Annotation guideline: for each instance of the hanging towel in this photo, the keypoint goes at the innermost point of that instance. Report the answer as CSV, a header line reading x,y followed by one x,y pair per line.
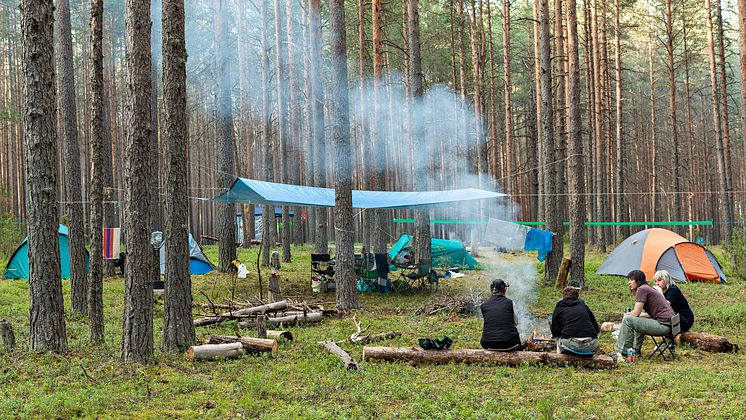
x,y
539,240
111,243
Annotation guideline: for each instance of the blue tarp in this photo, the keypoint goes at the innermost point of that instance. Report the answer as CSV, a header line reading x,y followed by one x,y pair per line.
x,y
252,191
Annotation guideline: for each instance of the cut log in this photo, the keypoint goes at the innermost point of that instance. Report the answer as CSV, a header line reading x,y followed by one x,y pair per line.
x,y
374,337
564,270
275,293
215,351
333,348
6,332
250,344
515,358
280,335
285,320
242,313
708,342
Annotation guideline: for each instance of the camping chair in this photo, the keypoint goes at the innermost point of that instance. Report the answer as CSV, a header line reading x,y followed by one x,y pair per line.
x,y
322,266
418,275
667,343
365,269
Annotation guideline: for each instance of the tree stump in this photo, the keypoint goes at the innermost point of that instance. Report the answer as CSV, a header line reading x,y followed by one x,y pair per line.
x,y
261,330
275,294
564,271
6,332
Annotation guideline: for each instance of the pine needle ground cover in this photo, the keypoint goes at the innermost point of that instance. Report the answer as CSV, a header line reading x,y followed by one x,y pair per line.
x,y
303,380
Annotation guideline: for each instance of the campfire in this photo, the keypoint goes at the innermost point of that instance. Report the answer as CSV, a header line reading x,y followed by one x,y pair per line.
x,y
540,343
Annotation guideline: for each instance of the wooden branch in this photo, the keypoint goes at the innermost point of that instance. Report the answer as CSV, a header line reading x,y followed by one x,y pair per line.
x,y
215,351
8,337
357,334
333,348
250,344
286,320
515,358
241,313
278,335
375,337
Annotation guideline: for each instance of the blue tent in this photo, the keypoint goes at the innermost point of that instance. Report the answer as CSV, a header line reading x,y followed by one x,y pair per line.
x,y
445,253
198,261
252,191
17,267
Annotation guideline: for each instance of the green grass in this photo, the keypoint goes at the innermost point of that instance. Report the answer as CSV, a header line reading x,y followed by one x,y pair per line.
x,y
305,381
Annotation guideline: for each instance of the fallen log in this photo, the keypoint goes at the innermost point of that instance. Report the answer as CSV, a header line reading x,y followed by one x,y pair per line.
x,y
6,332
250,344
241,313
215,351
482,356
708,342
333,348
286,320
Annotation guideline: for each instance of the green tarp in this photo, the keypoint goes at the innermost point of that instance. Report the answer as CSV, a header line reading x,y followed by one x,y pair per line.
x,y
446,253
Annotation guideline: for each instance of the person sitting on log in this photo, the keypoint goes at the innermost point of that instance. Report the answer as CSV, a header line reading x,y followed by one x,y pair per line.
x,y
673,295
655,321
573,325
500,332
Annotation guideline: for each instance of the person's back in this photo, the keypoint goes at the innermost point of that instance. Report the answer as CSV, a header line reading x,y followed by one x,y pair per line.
x,y
500,332
680,305
574,325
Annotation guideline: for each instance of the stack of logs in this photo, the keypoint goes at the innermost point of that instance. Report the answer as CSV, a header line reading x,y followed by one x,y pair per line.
x,y
282,313
229,347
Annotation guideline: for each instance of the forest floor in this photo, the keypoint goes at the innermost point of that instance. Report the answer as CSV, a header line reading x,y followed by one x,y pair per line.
x,y
303,380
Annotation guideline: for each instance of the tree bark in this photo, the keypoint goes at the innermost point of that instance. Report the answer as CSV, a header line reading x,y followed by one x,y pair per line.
x,y
742,67
8,338
250,344
378,130
269,225
619,205
69,125
676,207
227,218
95,280
178,329
281,75
576,155
321,243
469,356
137,340
708,342
47,316
726,126
339,110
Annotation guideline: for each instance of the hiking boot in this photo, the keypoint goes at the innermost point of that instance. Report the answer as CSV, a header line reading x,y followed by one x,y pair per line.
x,y
616,357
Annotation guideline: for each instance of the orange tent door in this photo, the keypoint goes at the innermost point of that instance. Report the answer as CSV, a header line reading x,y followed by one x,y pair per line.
x,y
695,263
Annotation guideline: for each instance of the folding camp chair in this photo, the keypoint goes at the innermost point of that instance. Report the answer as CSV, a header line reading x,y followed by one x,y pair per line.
x,y
667,343
419,275
322,267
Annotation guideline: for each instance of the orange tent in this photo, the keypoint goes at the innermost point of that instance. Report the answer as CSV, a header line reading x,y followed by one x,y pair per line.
x,y
656,249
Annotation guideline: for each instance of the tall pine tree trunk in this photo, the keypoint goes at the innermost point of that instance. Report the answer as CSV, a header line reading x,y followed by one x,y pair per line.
x,y
676,210
95,280
346,293
47,316
321,243
137,341
268,212
281,74
69,124
178,328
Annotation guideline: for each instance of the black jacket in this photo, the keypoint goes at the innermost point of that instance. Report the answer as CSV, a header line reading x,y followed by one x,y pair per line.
x,y
573,319
499,320
680,305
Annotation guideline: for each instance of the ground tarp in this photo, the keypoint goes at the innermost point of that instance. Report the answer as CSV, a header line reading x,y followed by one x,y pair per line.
x,y
445,253
252,191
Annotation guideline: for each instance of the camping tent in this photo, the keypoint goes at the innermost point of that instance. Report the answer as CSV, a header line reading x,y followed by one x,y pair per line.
x,y
198,262
656,249
17,267
445,253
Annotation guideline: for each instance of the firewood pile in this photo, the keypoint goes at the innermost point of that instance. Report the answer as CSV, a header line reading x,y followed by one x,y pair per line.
x,y
284,312
466,304
535,343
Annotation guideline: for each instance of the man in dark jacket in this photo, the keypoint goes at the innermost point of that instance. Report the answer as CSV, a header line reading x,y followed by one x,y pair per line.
x,y
500,332
573,325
